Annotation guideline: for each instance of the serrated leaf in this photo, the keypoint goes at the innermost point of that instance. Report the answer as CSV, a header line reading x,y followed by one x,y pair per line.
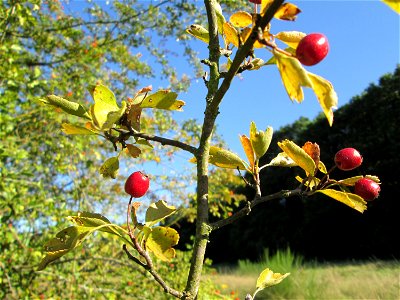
x,y
298,155
287,11
133,150
67,106
161,240
75,129
326,95
105,111
282,160
163,99
231,34
293,75
248,149
199,32
241,19
290,38
110,167
268,278
157,212
352,200
393,4
224,159
260,140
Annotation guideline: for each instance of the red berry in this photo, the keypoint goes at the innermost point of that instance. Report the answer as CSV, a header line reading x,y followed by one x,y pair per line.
x,y
312,49
137,184
348,159
367,189
256,1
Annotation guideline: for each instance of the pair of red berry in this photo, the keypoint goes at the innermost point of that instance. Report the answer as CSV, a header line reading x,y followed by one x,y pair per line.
x,y
348,159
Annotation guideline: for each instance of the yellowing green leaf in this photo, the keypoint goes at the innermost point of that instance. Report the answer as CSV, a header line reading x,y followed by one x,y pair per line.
x,y
260,140
248,149
67,106
105,111
224,159
161,240
322,167
65,241
199,32
157,212
298,155
350,181
101,223
241,19
287,12
290,38
268,278
110,167
163,99
326,95
231,34
393,4
311,182
75,129
293,75
352,200
282,160
133,150
220,17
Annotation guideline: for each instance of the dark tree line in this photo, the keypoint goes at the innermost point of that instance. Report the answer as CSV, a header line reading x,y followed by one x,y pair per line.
x,y
319,227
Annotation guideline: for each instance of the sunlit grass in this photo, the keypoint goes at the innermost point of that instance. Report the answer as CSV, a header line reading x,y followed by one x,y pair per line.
x,y
351,280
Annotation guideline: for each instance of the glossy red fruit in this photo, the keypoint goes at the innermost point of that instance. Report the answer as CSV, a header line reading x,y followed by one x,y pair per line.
x,y
255,1
348,159
312,49
137,184
367,189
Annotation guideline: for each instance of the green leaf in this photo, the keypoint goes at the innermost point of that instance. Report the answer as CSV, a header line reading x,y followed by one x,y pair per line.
x,y
157,212
163,99
293,75
199,32
298,155
326,95
161,240
260,140
352,200
110,167
67,106
268,278
105,111
76,129
220,17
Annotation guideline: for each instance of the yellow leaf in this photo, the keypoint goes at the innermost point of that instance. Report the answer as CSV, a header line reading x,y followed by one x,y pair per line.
x,y
322,168
199,32
293,75
224,159
163,99
299,156
241,19
326,95
74,129
161,240
287,12
264,5
268,278
248,149
352,200
157,212
290,38
231,34
393,4
260,140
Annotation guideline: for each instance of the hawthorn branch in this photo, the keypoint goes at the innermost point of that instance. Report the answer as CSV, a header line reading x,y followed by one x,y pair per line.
x,y
256,201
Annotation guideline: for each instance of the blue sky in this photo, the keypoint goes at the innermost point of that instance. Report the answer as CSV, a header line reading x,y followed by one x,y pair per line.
x,y
364,44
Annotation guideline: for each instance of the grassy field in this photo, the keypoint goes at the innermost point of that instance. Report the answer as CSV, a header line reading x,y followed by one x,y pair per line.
x,y
352,280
